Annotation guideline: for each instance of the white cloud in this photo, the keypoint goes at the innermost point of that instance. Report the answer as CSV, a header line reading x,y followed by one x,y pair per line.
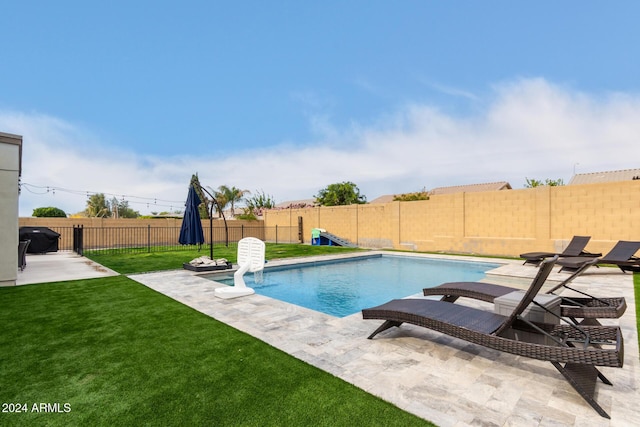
x,y
446,89
530,128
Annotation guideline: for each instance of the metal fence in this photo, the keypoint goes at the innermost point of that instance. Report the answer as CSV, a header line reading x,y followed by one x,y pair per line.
x,y
162,239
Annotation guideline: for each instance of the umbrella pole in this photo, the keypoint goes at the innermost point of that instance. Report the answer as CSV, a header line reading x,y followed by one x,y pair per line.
x,y
211,231
226,227
213,201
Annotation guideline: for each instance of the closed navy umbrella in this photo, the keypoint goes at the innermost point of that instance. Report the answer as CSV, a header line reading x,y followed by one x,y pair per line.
x,y
191,230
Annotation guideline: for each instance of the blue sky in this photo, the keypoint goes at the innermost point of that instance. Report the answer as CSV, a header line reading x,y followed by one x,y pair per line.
x,y
131,98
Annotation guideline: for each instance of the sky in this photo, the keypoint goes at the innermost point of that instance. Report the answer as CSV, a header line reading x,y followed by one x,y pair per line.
x,y
130,98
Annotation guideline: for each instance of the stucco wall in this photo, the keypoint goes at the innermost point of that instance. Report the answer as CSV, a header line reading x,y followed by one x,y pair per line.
x,y
10,146
489,223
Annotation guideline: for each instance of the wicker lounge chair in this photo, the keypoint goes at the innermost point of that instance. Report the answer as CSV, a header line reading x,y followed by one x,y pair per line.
x,y
575,248
587,307
622,255
576,353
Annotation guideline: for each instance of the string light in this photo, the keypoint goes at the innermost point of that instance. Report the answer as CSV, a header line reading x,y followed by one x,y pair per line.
x,y
43,190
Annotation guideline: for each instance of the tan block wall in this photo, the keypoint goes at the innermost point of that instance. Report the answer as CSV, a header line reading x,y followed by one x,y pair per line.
x,y
490,223
610,212
99,222
377,225
494,214
428,224
134,232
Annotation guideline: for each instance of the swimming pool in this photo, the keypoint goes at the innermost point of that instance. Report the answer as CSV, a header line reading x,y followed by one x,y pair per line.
x,y
346,286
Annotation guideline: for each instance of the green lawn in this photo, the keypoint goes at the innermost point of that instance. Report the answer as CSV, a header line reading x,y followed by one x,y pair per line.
x,y
119,353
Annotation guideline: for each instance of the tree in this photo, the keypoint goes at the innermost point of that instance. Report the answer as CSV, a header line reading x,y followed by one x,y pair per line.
x,y
410,197
232,195
219,200
124,211
256,204
97,206
203,208
222,200
531,183
342,193
49,212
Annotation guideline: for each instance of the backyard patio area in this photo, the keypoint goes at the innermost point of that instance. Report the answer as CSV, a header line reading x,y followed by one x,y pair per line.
x,y
441,379
438,378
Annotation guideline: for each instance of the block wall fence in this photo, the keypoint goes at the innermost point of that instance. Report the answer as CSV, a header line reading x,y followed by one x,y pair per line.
x,y
125,222
109,232
503,223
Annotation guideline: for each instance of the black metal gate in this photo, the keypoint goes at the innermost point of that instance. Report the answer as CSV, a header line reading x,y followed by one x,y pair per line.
x,y
78,234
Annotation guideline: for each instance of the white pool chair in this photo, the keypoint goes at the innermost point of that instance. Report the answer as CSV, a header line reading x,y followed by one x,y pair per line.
x,y
250,259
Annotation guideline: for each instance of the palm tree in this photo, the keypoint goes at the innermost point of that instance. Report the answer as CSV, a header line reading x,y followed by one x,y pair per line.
x,y
232,196
221,199
97,206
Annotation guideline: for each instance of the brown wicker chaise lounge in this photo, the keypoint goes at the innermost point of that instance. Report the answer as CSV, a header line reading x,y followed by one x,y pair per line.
x,y
575,248
587,307
622,255
576,352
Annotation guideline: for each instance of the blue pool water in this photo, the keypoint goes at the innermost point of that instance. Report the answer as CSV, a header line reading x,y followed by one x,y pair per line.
x,y
344,287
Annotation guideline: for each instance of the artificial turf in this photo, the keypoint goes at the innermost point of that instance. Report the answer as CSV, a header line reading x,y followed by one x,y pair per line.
x,y
112,352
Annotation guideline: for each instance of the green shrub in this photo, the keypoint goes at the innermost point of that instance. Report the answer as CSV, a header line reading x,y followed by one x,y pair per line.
x,y
49,212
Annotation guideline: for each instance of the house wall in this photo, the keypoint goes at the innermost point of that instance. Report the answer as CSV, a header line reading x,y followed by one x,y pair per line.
x,y
505,223
10,148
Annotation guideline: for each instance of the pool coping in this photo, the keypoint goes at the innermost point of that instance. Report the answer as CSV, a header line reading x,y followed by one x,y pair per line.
x,y
447,381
